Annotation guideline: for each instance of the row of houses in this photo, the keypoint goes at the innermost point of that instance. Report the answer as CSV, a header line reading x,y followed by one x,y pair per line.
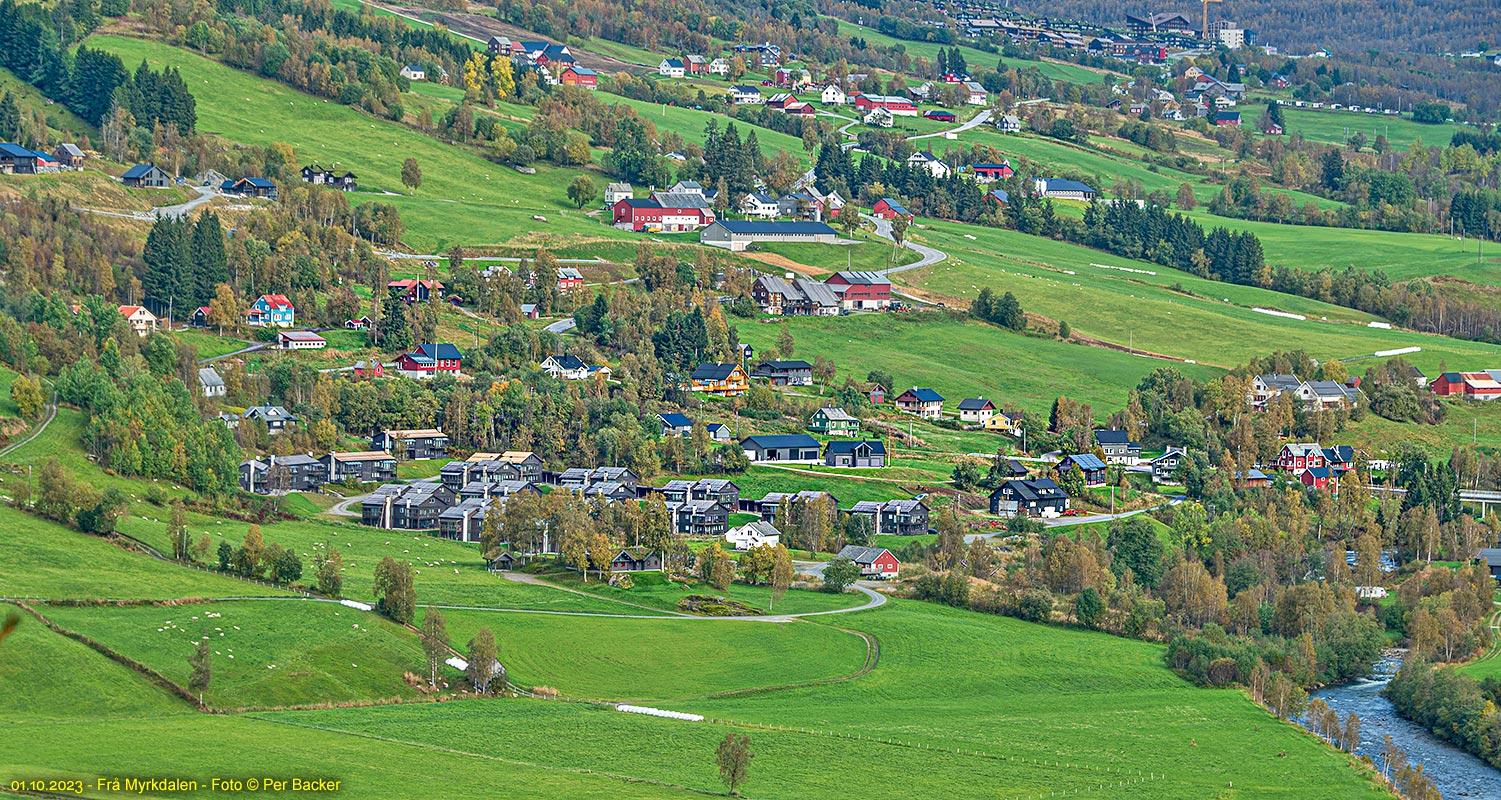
x,y
18,160
1312,395
842,291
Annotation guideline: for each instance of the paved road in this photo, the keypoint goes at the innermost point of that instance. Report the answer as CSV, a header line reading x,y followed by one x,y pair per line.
x,y
242,351
1060,522
929,255
561,326
205,194
343,507
46,420
974,122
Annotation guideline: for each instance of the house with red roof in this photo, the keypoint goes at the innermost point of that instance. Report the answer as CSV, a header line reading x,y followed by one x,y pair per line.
x,y
271,311
415,291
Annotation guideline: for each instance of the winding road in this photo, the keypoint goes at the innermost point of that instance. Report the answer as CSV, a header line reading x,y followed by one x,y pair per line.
x,y
929,254
46,420
974,122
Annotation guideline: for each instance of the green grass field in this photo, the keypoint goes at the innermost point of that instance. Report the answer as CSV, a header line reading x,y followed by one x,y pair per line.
x,y
1144,312
1336,127
44,559
463,197
962,359
1058,71
600,658
1402,256
265,653
1032,710
872,254
655,591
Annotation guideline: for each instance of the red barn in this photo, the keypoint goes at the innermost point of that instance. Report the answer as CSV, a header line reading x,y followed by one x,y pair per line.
x,y
1475,385
642,214
941,116
1319,478
576,75
896,105
993,172
862,289
887,208
874,562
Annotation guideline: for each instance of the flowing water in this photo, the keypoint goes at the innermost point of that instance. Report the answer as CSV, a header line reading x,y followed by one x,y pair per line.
x,y
1455,773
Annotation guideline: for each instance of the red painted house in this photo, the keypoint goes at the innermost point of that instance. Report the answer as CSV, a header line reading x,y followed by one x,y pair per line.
x,y
1474,385
993,172
862,289
431,359
1300,456
887,208
576,75
1319,478
874,562
640,214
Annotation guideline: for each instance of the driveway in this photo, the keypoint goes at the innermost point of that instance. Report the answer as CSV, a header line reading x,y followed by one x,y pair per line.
x,y
974,122
929,255
561,326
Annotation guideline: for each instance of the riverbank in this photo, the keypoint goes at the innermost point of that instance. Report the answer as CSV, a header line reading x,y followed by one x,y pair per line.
x,y
1454,772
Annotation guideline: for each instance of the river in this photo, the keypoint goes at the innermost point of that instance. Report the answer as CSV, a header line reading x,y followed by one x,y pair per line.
x,y
1454,772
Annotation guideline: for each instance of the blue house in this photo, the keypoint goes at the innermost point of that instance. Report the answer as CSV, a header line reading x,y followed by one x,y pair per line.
x,y
271,311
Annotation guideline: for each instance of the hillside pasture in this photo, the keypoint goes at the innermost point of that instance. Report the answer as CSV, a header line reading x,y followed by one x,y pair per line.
x,y
266,653
464,198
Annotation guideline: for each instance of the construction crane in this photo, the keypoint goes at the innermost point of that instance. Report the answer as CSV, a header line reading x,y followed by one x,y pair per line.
x,y
1206,16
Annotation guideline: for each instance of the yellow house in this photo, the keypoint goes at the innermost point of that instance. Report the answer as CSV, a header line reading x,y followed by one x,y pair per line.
x,y
727,380
1009,422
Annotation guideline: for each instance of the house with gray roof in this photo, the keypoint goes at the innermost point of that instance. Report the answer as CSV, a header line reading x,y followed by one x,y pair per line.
x,y
210,382
787,448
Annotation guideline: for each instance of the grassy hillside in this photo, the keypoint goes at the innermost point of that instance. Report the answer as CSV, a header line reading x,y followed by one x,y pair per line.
x,y
265,653
962,359
1069,73
44,559
600,658
1033,710
75,683
1336,127
463,198
1148,313
1402,256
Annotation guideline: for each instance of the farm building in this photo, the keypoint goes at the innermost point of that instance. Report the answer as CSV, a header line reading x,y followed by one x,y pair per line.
x,y
736,235
300,340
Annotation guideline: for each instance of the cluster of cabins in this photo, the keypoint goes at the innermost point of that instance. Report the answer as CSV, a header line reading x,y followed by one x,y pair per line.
x,y
306,473
18,160
553,63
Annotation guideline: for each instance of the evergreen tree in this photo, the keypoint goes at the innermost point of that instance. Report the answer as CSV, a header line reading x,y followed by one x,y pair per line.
x,y
168,263
395,333
10,119
210,264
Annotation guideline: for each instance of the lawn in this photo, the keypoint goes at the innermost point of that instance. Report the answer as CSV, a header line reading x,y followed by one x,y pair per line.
x,y
689,123
962,358
265,653
210,344
872,254
604,659
463,198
